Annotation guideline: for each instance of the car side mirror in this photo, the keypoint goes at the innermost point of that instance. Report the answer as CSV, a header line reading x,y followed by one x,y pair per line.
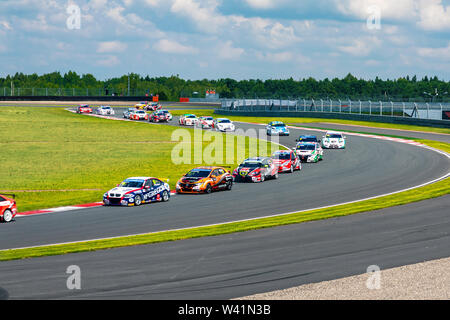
x,y
147,187
320,140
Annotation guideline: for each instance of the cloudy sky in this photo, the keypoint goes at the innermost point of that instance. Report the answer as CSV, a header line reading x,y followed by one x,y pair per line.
x,y
240,39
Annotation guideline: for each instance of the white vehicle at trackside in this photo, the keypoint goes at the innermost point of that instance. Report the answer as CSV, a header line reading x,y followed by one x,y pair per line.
x,y
188,120
223,125
105,111
309,152
205,122
333,140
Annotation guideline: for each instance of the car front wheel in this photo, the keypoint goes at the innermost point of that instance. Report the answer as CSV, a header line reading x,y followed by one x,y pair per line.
x,y
7,216
165,196
137,200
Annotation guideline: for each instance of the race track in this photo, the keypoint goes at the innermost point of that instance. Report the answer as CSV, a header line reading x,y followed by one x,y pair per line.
x,y
251,262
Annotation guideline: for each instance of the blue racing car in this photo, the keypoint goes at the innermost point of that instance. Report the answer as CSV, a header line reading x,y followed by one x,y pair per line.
x,y
136,191
277,128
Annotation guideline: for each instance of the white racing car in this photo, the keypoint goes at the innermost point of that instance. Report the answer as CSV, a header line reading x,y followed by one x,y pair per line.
x,y
205,122
333,140
105,110
223,125
188,120
309,151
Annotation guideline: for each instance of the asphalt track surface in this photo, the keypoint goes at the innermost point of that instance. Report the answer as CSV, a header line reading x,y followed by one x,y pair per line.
x,y
404,133
251,262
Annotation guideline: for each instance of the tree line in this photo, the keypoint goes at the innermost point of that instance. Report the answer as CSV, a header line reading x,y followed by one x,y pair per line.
x,y
173,87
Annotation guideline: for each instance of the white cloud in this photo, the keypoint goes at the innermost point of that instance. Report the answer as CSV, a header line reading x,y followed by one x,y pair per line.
x,y
434,16
390,9
109,61
227,51
435,53
205,17
111,46
360,47
168,46
261,4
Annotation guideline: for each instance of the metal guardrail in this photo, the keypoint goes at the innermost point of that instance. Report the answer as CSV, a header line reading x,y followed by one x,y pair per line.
x,y
421,110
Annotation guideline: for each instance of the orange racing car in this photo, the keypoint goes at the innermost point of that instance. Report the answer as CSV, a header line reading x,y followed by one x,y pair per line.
x,y
205,180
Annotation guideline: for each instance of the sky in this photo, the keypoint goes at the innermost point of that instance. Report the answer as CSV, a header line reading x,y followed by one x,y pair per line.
x,y
240,39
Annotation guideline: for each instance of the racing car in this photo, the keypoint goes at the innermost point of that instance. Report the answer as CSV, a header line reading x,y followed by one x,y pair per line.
x,y
205,180
188,120
309,151
84,108
160,116
153,106
141,105
223,125
277,128
136,191
307,138
205,122
138,115
8,208
256,169
333,140
286,160
105,110
126,113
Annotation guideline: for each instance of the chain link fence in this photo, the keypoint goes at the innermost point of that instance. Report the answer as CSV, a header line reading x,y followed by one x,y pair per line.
x,y
422,110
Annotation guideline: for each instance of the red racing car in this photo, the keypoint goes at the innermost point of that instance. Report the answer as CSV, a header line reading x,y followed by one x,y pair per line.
x,y
287,161
160,116
256,170
84,108
8,208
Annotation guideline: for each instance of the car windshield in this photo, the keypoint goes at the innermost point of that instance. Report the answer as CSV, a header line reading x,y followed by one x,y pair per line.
x,y
132,184
208,118
130,109
334,136
306,147
106,108
282,156
140,112
251,164
224,121
165,111
191,116
198,173
278,125
307,139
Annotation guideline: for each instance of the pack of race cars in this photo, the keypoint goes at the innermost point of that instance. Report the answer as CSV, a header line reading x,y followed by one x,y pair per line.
x,y
135,191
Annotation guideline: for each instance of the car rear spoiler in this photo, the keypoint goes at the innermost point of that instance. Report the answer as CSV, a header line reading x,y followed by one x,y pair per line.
x,y
9,195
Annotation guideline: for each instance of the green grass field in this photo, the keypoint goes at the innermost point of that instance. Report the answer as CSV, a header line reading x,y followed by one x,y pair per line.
x,y
53,149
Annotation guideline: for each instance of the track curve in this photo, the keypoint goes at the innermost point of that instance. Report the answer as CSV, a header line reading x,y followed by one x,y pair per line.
x,y
368,167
